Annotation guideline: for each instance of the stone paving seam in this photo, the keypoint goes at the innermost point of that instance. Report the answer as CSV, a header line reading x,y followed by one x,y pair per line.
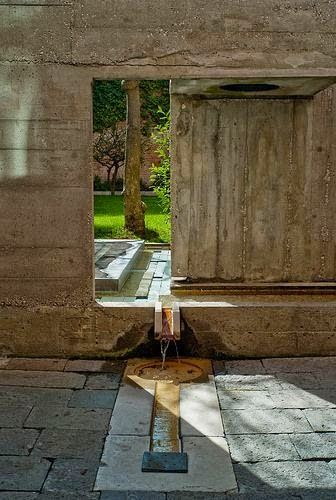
x,y
25,420
51,461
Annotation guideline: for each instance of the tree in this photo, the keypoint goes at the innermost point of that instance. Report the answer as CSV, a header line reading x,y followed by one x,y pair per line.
x,y
109,151
134,208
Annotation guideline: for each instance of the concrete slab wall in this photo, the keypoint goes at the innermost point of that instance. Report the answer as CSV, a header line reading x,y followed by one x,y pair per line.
x,y
264,34
74,331
50,52
46,186
253,327
254,189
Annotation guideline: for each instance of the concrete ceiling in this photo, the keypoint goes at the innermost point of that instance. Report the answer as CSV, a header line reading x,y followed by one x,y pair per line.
x,y
252,87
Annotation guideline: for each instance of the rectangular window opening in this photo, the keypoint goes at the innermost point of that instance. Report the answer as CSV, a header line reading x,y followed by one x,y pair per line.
x,y
129,266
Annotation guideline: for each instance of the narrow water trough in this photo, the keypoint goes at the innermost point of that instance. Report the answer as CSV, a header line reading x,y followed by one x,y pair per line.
x,y
170,411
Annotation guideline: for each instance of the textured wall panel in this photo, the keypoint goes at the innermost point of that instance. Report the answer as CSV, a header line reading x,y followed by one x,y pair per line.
x,y
261,176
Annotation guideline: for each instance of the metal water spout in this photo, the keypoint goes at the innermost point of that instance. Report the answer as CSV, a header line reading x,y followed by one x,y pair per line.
x,y
167,328
167,322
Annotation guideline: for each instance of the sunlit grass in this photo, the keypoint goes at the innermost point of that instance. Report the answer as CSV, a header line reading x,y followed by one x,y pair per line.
x,y
109,219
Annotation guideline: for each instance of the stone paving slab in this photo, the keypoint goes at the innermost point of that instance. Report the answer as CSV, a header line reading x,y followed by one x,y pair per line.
x,y
132,495
13,416
69,496
58,417
36,364
209,466
178,495
29,396
299,398
299,381
244,367
285,477
42,379
17,441
277,460
69,443
93,398
248,382
327,380
137,404
332,465
240,400
265,421
71,475
321,420
19,495
299,364
95,365
22,473
103,381
318,494
199,410
262,447
317,445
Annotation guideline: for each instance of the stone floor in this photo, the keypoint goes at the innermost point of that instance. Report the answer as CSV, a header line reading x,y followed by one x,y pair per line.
x,y
279,418
148,280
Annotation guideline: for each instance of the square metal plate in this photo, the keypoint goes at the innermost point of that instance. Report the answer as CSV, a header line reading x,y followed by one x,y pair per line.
x,y
154,461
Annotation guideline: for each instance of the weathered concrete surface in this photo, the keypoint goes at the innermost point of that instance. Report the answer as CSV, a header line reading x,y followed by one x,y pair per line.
x,y
222,88
239,327
46,72
297,35
253,189
261,326
61,331
46,184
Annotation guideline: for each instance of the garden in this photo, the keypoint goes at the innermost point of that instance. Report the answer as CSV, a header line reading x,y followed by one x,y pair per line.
x,y
109,220
132,160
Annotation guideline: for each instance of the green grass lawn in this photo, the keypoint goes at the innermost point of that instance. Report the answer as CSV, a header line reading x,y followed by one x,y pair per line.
x,y
109,219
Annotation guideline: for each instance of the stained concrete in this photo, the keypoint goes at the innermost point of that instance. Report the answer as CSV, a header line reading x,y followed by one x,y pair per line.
x,y
46,278
216,88
253,192
64,331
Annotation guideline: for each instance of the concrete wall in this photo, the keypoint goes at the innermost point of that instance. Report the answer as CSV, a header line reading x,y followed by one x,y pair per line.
x,y
50,50
46,185
254,189
256,327
90,332
263,34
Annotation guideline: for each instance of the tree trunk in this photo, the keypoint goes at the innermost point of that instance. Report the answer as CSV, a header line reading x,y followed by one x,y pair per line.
x,y
109,179
134,209
114,179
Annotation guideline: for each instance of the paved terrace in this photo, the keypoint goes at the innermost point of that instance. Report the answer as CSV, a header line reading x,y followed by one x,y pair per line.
x,y
279,418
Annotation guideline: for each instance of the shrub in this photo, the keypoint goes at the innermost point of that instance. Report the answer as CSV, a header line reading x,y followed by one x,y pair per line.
x,y
100,185
160,173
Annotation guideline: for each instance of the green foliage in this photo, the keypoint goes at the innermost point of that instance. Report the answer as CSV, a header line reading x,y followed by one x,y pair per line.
x,y
109,103
109,219
154,96
160,174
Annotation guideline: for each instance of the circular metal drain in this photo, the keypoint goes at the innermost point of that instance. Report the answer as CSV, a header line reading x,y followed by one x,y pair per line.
x,y
250,87
174,372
